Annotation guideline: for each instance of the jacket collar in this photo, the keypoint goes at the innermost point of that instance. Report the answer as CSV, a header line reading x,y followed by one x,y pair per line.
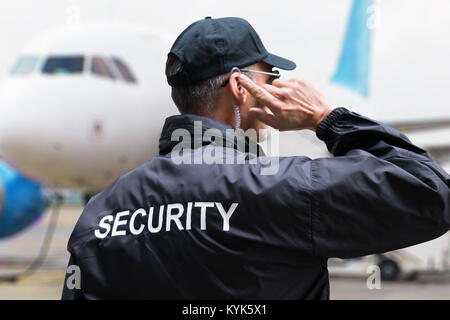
x,y
186,121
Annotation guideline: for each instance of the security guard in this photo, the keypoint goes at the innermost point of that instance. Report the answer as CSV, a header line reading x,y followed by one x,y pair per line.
x,y
203,220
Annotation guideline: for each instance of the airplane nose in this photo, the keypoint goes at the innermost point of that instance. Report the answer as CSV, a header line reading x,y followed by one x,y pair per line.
x,y
21,140
42,130
20,147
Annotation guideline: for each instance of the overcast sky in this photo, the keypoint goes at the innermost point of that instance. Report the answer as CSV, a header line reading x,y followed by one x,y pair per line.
x,y
411,46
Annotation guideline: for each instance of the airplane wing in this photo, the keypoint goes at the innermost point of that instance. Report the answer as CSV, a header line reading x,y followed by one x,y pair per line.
x,y
420,125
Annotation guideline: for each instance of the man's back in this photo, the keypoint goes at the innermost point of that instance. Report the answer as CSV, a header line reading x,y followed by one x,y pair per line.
x,y
174,230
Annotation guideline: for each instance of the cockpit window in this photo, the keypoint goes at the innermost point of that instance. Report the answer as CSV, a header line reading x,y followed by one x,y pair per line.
x,y
99,67
63,65
125,72
24,65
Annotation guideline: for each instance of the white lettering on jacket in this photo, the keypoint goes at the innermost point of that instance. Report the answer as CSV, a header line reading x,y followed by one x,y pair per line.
x,y
128,222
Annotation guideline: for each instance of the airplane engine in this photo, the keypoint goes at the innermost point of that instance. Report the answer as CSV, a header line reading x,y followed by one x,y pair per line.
x,y
22,201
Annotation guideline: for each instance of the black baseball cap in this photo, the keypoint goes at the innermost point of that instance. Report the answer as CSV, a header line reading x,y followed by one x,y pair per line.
x,y
211,47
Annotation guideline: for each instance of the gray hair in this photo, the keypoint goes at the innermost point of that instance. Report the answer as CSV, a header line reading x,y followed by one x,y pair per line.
x,y
199,97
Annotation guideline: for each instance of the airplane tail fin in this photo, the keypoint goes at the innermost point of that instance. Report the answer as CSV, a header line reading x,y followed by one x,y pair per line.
x,y
353,70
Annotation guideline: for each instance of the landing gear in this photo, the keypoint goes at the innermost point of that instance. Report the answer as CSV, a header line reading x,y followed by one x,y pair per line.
x,y
56,201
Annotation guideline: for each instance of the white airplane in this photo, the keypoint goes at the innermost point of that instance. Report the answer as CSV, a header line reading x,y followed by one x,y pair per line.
x,y
81,106
84,104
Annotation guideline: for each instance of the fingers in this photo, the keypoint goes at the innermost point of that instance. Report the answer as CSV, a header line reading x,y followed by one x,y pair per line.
x,y
259,93
282,83
276,92
266,117
288,82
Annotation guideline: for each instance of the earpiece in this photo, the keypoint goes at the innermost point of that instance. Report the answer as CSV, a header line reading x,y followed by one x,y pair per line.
x,y
237,117
241,90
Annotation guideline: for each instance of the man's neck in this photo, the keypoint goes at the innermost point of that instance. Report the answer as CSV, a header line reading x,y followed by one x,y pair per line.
x,y
220,114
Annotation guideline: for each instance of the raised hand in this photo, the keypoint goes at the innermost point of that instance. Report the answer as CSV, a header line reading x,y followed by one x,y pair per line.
x,y
289,104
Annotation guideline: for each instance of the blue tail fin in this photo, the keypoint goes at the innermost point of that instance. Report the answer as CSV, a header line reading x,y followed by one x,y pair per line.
x,y
353,70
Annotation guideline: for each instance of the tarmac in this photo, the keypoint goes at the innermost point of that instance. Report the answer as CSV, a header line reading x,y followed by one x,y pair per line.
x,y
46,284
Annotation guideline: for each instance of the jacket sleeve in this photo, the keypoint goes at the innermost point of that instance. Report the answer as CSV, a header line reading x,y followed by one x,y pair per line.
x,y
378,193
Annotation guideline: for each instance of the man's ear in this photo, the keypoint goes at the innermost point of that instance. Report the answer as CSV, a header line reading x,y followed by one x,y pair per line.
x,y
237,90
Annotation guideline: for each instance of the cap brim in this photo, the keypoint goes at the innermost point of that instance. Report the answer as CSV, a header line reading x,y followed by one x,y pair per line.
x,y
279,62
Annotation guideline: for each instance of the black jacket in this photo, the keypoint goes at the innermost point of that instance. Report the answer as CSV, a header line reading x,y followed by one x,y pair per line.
x,y
228,231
